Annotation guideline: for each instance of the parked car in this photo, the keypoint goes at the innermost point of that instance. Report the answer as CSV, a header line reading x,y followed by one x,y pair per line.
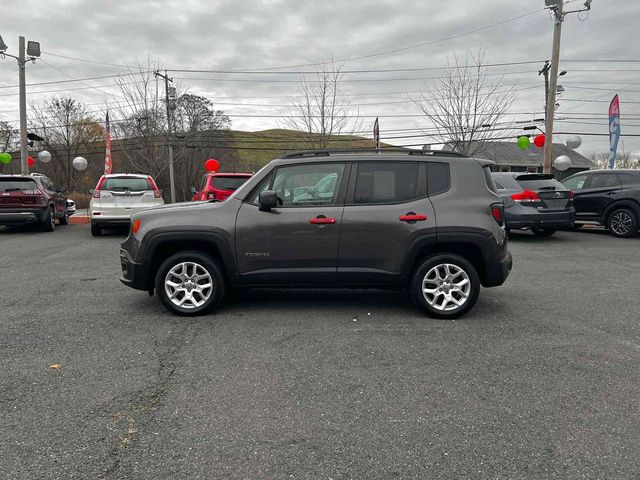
x,y
71,207
534,201
118,196
427,221
218,186
607,197
32,199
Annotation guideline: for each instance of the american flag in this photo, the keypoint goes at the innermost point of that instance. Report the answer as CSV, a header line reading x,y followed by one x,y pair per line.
x,y
107,143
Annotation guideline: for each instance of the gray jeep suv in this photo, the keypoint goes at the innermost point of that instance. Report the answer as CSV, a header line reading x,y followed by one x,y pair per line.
x,y
430,222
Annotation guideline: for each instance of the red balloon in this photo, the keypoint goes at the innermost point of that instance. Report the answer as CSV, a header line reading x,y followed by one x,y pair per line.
x,y
211,165
538,141
30,161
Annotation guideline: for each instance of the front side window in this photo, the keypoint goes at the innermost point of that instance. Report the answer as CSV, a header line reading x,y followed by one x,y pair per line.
x,y
308,185
382,182
575,183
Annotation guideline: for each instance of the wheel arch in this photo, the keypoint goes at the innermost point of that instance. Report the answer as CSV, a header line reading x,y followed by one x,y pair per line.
x,y
623,203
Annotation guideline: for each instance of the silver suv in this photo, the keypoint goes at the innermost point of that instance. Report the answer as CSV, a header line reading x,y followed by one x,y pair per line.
x,y
118,196
430,222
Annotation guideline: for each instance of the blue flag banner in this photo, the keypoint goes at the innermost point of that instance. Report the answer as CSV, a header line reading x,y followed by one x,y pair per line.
x,y
614,130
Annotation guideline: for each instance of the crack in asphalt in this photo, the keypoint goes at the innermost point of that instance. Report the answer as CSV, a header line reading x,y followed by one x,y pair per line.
x,y
143,403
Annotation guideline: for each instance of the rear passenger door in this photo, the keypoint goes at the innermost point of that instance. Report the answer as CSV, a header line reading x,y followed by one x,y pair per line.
x,y
387,209
599,191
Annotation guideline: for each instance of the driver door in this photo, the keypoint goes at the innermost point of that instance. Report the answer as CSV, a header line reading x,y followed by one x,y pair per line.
x,y
297,242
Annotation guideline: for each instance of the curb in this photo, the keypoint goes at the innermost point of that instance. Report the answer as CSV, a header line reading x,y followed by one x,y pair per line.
x,y
82,220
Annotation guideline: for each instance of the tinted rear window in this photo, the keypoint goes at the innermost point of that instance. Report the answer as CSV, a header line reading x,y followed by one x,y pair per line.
x,y
538,184
124,183
380,182
437,177
15,184
228,183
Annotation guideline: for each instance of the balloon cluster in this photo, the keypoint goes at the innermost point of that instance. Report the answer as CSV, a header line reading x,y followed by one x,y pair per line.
x,y
524,142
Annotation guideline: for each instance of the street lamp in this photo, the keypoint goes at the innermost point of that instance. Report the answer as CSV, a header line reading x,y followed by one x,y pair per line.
x,y
33,52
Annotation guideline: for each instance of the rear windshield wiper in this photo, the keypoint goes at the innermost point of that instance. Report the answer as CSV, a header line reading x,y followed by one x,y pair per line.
x,y
550,187
14,189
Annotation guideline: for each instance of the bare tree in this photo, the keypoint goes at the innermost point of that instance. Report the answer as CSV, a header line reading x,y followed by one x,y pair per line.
x,y
624,159
68,130
8,136
319,111
465,106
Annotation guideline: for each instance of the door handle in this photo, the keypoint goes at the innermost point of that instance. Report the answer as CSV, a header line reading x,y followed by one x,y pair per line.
x,y
413,217
611,193
322,220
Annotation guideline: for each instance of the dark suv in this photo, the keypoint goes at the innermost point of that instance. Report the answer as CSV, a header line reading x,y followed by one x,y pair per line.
x,y
608,197
31,199
430,222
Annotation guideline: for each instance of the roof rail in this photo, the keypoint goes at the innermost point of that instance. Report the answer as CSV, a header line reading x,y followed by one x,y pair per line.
x,y
328,153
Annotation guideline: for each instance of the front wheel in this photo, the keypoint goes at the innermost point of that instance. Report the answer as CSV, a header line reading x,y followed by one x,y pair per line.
x,y
623,223
445,286
190,283
64,220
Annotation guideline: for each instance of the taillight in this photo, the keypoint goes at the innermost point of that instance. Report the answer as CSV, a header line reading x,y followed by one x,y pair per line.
x,y
96,192
572,195
211,195
156,191
525,196
497,212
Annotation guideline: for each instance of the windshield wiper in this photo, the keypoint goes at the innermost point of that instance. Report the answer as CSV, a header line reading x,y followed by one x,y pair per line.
x,y
550,187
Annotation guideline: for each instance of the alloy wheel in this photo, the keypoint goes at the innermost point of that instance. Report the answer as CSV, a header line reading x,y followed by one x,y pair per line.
x,y
446,287
188,285
621,223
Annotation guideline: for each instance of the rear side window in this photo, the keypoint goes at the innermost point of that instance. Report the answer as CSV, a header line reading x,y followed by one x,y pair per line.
x,y
602,180
438,177
381,182
228,183
488,178
16,184
127,183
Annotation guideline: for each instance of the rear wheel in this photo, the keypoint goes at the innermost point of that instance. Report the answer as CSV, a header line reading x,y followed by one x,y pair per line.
x,y
65,218
190,283
49,224
543,232
623,223
96,230
445,286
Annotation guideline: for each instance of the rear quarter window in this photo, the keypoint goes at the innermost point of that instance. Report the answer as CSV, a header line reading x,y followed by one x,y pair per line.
x,y
438,178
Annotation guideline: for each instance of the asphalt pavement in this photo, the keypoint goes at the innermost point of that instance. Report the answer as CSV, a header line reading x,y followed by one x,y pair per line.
x,y
541,380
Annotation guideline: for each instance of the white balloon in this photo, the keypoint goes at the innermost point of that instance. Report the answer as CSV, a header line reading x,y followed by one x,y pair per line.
x,y
562,163
44,156
80,163
574,142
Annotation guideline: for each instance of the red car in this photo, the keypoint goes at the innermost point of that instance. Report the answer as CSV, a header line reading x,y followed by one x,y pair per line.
x,y
218,186
32,199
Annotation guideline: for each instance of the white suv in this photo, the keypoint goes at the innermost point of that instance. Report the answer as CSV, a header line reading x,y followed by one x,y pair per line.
x,y
117,196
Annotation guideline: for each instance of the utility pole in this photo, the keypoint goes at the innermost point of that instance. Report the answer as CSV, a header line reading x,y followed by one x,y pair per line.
x,y
33,50
172,182
545,72
557,7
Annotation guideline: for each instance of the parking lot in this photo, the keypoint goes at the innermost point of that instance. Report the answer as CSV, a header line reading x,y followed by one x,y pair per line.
x,y
540,380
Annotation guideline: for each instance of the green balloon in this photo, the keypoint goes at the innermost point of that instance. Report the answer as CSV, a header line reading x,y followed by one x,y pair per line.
x,y
5,158
524,142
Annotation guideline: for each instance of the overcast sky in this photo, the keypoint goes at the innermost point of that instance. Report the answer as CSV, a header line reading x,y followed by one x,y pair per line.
x,y
253,34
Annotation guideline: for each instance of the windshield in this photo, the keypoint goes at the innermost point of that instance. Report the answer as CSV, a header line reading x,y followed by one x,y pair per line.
x,y
228,183
127,183
16,184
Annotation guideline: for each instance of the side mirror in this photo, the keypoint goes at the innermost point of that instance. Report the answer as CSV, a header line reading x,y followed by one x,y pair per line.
x,y
91,190
268,200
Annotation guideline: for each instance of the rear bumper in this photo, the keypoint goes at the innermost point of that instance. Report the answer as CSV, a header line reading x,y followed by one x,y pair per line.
x,y
556,220
115,221
499,271
22,216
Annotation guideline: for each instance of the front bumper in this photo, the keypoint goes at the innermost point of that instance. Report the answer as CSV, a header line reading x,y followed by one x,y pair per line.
x,y
22,216
134,275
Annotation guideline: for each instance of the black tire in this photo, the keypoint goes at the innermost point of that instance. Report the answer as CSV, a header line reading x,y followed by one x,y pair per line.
x,y
426,267
205,264
623,223
64,220
96,230
49,224
543,232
